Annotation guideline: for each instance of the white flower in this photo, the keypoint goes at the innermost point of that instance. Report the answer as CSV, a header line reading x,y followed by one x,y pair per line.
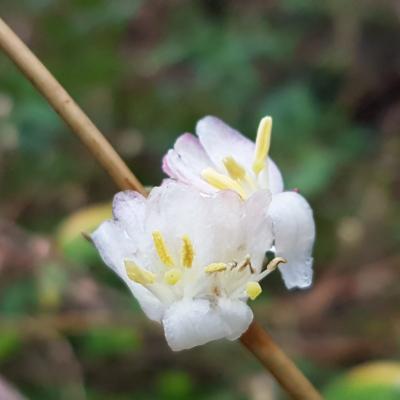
x,y
191,260
221,158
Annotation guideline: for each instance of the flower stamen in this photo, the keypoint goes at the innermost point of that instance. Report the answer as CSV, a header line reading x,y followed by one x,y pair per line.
x,y
222,182
253,289
232,265
272,266
215,267
234,169
187,253
237,172
263,141
246,263
162,249
138,274
173,276
274,263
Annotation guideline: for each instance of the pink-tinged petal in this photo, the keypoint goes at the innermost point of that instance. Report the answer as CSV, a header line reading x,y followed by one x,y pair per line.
x,y
189,323
186,161
175,168
220,140
294,232
166,167
192,152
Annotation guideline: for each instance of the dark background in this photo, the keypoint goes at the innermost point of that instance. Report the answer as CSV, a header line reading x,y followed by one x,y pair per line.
x,y
329,74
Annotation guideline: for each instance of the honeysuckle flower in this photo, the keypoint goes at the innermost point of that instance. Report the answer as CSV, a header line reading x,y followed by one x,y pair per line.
x,y
220,158
191,259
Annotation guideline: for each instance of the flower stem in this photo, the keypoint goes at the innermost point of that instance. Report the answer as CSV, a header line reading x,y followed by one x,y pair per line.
x,y
256,339
69,111
260,343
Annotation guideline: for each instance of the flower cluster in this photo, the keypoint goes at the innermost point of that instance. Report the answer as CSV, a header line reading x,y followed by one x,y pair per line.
x,y
194,251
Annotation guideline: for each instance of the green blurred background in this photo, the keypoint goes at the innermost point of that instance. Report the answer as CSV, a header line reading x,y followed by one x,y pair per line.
x,y
145,71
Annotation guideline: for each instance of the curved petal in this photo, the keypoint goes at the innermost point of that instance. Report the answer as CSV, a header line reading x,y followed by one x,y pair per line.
x,y
237,315
294,232
115,246
190,323
150,304
129,211
186,161
220,140
192,152
274,182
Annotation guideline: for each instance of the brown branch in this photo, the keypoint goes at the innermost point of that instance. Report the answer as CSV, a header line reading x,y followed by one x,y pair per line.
x,y
255,339
69,111
260,343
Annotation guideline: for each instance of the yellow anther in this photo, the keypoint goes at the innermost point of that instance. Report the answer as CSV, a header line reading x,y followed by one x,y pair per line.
x,y
234,169
162,249
220,181
187,254
215,267
173,276
253,289
263,141
139,275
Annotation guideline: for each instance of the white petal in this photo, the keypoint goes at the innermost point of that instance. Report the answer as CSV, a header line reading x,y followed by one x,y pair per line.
x,y
115,246
190,323
220,140
213,222
294,232
186,161
150,304
258,226
237,315
129,211
275,180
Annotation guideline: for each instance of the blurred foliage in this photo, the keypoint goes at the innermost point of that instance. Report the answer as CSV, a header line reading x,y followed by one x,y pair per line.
x,y
174,385
107,341
10,343
71,230
145,72
376,380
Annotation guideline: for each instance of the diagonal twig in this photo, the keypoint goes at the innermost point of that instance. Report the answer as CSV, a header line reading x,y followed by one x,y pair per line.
x,y
68,110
